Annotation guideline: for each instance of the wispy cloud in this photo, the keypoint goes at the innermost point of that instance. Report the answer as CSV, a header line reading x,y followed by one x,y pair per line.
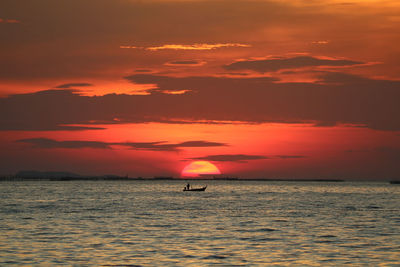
x,y
338,99
164,146
321,42
174,92
185,63
197,46
50,143
279,63
231,158
200,144
152,146
143,71
72,85
10,21
129,47
241,158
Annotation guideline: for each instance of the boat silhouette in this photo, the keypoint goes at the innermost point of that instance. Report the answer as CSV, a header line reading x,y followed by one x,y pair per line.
x,y
195,189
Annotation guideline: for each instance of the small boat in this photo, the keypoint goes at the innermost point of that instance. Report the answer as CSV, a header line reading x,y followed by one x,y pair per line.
x,y
195,189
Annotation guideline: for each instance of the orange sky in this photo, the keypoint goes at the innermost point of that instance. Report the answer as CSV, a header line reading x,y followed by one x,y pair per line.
x,y
261,88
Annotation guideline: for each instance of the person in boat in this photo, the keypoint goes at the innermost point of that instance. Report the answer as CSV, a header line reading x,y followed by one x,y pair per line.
x,y
188,186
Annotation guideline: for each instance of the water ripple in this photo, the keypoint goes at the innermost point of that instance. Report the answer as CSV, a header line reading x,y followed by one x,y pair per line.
x,y
234,223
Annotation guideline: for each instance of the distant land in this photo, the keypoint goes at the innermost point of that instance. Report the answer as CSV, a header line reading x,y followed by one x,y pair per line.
x,y
59,176
32,175
68,176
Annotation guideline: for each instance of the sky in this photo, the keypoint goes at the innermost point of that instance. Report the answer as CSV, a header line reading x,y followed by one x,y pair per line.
x,y
255,88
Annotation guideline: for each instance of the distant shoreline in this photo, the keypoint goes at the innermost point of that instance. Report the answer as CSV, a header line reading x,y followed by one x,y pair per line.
x,y
159,179
117,178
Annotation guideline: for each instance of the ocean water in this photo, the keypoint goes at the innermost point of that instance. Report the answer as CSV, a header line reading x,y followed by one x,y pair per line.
x,y
233,223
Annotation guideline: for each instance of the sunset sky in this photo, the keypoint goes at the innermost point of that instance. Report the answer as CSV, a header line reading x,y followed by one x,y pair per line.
x,y
260,88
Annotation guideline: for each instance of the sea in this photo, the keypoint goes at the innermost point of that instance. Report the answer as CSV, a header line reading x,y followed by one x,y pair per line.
x,y
232,223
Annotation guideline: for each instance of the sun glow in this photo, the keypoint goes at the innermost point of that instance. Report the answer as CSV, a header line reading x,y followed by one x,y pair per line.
x,y
199,168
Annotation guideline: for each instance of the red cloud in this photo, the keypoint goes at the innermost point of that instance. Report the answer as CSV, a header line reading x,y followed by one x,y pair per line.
x,y
10,21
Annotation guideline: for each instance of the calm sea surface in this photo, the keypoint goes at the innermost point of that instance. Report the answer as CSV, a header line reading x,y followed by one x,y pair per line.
x,y
153,223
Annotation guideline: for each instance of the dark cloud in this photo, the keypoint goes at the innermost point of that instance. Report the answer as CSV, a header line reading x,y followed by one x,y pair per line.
x,y
338,99
231,158
153,146
49,44
244,158
52,45
162,146
50,143
49,110
72,85
325,124
235,73
143,71
275,64
184,62
200,144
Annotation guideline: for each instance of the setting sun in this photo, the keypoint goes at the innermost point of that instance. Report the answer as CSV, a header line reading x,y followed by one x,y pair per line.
x,y
199,168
